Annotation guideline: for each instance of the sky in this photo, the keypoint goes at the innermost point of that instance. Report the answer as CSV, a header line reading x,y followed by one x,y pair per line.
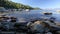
x,y
44,4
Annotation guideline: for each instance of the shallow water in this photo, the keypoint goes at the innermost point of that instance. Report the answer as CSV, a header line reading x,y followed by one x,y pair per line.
x,y
35,14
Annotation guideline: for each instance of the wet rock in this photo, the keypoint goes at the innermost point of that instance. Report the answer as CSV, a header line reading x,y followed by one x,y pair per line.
x,y
39,26
20,27
46,13
4,19
13,19
52,21
52,18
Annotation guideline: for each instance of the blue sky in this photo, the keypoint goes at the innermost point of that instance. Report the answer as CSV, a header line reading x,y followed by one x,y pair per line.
x,y
40,3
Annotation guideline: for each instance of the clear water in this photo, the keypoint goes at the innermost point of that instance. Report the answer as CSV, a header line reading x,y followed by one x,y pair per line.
x,y
35,14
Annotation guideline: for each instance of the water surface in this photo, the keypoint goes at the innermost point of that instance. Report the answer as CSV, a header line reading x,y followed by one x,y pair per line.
x,y
35,14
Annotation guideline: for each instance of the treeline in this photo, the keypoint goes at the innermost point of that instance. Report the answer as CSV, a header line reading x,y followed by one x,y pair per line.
x,y
12,5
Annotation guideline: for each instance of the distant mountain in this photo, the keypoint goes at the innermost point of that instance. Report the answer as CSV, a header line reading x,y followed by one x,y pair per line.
x,y
56,9
12,5
53,9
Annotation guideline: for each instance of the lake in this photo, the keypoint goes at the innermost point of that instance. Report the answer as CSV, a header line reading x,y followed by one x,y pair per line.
x,y
34,14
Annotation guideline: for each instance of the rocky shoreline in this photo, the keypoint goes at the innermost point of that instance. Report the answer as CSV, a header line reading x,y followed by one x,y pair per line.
x,y
33,27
